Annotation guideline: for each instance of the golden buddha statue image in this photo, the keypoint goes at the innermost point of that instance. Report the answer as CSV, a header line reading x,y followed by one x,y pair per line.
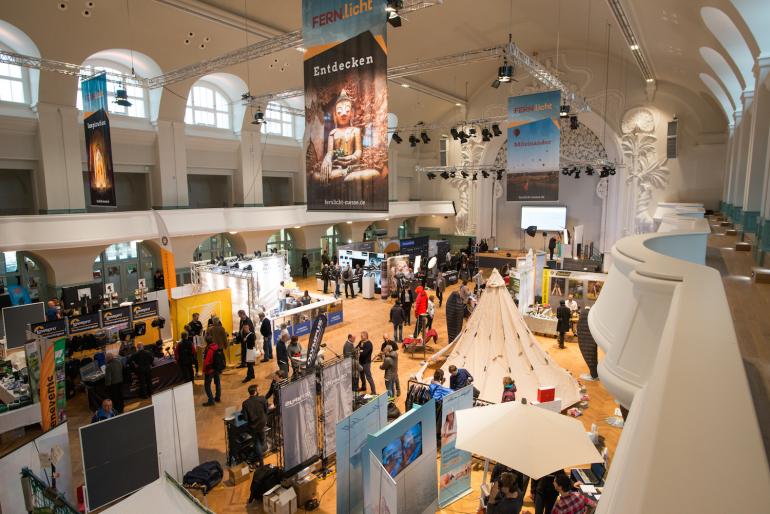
x,y
343,149
100,170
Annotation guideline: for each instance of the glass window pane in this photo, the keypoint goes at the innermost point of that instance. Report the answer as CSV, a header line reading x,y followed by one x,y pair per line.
x,y
273,127
188,116
204,117
223,120
11,266
5,90
222,103
15,71
4,71
287,130
287,117
17,90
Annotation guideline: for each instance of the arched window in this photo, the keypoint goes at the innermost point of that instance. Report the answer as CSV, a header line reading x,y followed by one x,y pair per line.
x,y
123,264
214,247
136,95
207,106
281,240
331,241
283,120
13,83
20,268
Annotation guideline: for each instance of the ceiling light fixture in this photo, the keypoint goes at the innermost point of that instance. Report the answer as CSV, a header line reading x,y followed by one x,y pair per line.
x,y
259,117
397,138
424,137
496,129
121,97
455,134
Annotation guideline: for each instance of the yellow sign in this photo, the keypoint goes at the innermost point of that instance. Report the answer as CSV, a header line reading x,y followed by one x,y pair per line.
x,y
218,303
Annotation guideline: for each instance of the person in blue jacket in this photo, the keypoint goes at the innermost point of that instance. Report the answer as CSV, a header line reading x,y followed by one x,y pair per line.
x,y
437,389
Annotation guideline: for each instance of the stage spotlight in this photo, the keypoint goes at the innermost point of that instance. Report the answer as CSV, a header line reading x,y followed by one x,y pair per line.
x,y
577,174
444,175
455,134
499,174
397,138
472,131
463,137
413,140
589,171
424,137
452,173
475,176
563,111
485,173
259,117
496,130
612,170
505,72
486,135
121,98
392,9
573,122
564,171
464,174
431,175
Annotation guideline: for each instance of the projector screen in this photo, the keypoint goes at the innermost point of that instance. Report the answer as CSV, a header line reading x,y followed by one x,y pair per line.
x,y
546,219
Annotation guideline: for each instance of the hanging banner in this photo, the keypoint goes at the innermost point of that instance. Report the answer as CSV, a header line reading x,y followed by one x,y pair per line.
x,y
346,104
101,178
316,336
166,253
298,423
534,142
337,394
49,329
52,387
455,475
94,94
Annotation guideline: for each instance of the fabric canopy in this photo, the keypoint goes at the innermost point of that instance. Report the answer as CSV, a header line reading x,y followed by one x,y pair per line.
x,y
163,495
496,343
530,439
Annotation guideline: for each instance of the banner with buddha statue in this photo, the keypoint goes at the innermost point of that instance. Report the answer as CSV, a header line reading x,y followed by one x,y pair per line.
x,y
101,178
346,104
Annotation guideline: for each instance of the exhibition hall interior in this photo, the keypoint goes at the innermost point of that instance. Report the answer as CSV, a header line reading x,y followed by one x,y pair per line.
x,y
385,256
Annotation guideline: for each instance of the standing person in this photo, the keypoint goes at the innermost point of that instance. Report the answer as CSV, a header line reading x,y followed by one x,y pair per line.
x,y
360,278
365,360
255,410
305,265
505,496
325,258
158,280
282,297
570,501
218,332
196,333
574,313
397,319
420,310
406,303
245,320
337,275
213,365
544,494
251,351
437,389
266,331
465,293
563,316
349,277
142,361
349,351
431,312
113,379
440,287
295,354
587,346
478,280
278,376
186,357
509,390
282,354
388,366
394,356
325,271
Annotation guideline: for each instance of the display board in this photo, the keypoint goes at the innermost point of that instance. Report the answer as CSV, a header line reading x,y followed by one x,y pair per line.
x,y
382,493
414,246
534,142
120,455
49,329
346,105
298,423
337,396
175,430
546,219
351,435
16,320
414,436
455,476
218,303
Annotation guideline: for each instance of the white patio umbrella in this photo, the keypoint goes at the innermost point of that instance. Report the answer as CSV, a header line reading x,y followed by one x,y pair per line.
x,y
529,439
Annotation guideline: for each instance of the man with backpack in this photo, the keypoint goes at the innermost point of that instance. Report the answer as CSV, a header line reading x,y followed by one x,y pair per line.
x,y
213,365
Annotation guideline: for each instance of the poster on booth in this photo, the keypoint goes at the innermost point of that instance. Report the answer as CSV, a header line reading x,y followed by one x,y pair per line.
x,y
346,104
534,143
383,490
53,398
101,179
298,422
49,329
208,304
455,474
337,400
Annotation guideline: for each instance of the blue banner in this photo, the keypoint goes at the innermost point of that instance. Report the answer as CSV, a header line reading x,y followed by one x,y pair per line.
x,y
455,476
335,317
352,433
94,93
534,145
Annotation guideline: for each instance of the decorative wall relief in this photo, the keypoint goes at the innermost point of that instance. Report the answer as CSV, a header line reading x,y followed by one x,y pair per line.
x,y
645,171
470,155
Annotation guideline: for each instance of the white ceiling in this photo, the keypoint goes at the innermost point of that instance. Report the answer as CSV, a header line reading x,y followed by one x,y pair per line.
x,y
672,33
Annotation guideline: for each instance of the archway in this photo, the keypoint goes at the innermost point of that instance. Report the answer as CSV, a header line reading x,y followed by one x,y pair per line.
x,y
123,264
283,241
215,247
28,271
330,241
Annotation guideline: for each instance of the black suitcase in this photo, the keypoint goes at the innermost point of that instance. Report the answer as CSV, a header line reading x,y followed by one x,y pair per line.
x,y
208,474
264,479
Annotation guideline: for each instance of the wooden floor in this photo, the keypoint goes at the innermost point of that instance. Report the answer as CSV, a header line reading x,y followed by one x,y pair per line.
x,y
359,314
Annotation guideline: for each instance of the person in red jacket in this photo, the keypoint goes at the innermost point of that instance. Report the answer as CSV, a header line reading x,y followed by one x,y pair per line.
x,y
420,309
212,367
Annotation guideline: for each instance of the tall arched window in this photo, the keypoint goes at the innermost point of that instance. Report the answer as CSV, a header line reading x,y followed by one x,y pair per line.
x,y
20,268
208,106
13,83
136,95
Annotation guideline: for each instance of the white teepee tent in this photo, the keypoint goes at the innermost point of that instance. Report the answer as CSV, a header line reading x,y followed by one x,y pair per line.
x,y
496,342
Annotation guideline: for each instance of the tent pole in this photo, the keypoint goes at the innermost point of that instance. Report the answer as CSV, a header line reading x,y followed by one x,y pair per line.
x,y
486,469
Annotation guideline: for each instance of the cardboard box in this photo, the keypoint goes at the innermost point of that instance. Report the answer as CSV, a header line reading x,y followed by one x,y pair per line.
x,y
279,500
238,473
546,394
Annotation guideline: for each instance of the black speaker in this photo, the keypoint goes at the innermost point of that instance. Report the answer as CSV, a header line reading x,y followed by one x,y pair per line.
x,y
531,231
140,328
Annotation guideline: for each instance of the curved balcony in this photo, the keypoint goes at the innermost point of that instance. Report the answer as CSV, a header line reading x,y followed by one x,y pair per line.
x,y
672,357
